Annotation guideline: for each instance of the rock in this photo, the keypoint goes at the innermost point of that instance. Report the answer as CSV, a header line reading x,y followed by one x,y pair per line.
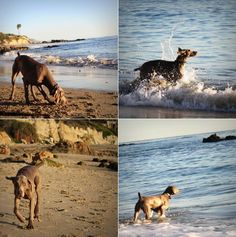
x,y
23,141
5,150
215,138
80,163
15,159
4,138
40,156
230,137
212,138
95,160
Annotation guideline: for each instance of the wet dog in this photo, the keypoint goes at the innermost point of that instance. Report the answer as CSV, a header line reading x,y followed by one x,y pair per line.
x,y
154,203
35,74
172,71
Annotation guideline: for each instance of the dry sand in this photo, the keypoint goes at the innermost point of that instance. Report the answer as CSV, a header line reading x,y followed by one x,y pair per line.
x,y
77,200
82,103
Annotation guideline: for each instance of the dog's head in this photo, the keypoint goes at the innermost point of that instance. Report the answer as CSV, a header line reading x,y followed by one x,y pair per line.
x,y
171,190
21,185
59,96
186,52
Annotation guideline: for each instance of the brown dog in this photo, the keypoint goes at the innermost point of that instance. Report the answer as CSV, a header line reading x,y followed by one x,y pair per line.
x,y
35,74
172,71
24,182
154,203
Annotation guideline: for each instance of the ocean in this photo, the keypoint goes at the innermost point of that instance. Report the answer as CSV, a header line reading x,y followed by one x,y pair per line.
x,y
88,64
205,173
150,29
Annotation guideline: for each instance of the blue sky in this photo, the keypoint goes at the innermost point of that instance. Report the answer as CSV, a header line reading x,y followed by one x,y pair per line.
x,y
61,19
143,129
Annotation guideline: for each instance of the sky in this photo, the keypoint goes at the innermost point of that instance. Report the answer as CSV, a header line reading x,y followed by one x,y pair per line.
x,y
131,130
60,19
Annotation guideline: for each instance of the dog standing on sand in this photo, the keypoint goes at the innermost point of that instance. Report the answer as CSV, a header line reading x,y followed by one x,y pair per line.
x,y
26,185
172,71
35,74
154,203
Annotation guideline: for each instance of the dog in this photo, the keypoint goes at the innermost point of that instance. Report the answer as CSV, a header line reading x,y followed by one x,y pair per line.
x,y
24,182
172,71
154,203
35,74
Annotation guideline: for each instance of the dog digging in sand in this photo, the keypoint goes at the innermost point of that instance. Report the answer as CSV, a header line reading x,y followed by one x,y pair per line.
x,y
35,74
26,185
172,71
154,203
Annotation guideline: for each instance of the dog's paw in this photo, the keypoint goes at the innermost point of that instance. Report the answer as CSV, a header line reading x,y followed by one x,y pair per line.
x,y
30,226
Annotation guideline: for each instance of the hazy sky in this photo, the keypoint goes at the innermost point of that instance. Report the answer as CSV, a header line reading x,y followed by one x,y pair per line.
x,y
142,129
59,19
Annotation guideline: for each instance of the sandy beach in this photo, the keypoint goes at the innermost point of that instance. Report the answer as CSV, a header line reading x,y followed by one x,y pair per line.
x,y
158,112
82,103
77,200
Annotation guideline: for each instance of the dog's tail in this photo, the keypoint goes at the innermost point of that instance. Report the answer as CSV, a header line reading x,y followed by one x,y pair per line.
x,y
18,53
136,69
139,196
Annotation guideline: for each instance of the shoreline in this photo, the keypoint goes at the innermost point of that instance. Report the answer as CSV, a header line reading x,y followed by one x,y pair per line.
x,y
82,103
159,112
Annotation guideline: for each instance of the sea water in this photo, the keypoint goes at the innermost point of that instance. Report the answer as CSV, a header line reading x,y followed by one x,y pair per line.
x,y
90,63
205,173
151,29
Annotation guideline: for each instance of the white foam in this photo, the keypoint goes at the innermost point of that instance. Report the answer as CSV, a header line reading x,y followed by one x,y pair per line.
x,y
175,230
188,93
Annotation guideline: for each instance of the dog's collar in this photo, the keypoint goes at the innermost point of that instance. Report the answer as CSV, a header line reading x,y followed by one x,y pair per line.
x,y
169,195
53,91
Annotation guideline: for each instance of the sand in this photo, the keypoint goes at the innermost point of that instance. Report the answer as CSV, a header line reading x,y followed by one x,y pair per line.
x,y
77,200
82,103
158,112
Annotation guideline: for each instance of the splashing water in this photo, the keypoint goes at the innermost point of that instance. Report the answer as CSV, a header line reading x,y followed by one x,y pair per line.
x,y
187,93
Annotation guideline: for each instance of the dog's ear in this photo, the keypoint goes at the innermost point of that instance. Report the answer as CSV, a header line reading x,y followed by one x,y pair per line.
x,y
11,178
179,50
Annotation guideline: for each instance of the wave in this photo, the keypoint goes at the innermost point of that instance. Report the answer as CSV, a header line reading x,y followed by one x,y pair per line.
x,y
175,229
187,93
89,60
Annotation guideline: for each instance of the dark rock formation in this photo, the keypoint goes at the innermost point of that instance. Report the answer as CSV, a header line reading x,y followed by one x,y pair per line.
x,y
215,138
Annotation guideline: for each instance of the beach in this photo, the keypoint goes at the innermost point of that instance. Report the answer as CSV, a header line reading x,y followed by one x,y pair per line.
x,y
160,112
77,200
82,103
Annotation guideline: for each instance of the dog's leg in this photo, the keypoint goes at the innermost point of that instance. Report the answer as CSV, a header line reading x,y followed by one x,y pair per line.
x,y
36,209
31,217
16,210
136,213
15,72
148,212
33,94
162,211
44,94
26,87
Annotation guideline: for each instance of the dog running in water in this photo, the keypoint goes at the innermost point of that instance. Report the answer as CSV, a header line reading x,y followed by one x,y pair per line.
x,y
157,203
172,71
36,74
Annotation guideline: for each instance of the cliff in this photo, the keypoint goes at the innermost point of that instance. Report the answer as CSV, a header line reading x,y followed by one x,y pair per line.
x,y
13,42
53,131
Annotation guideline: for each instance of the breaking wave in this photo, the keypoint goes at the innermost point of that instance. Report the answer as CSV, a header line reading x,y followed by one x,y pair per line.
x,y
89,60
187,93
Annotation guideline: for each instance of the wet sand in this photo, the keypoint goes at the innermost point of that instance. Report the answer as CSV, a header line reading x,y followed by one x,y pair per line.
x,y
157,112
82,103
77,200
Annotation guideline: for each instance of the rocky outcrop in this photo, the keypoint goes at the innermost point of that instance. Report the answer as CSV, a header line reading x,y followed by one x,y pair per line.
x,y
5,150
4,138
215,138
10,42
